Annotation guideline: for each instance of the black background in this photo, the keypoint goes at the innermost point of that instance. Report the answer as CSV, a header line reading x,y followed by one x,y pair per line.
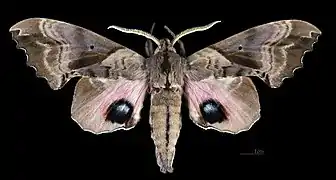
x,y
48,143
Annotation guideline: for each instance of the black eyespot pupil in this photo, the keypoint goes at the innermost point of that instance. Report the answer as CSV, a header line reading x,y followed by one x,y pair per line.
x,y
212,111
240,48
92,46
120,111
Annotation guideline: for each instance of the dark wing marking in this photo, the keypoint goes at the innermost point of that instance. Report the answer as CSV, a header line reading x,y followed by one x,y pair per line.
x,y
237,95
93,96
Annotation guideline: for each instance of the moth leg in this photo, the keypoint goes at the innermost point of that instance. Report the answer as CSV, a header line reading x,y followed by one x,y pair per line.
x,y
182,50
149,44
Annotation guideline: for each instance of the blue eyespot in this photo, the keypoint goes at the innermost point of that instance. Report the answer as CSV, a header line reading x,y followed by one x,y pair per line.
x,y
120,111
212,111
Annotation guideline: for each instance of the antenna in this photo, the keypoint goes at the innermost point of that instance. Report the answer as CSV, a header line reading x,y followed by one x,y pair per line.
x,y
192,30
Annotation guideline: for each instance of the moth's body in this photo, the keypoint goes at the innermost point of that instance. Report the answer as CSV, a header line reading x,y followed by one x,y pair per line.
x,y
115,79
166,72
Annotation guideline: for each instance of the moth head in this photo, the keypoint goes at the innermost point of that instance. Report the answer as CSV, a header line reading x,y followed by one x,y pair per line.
x,y
165,45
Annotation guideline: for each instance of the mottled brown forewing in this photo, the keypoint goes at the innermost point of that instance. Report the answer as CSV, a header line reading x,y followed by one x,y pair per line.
x,y
271,51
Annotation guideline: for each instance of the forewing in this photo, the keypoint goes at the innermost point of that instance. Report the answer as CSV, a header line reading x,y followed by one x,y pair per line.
x,y
237,95
271,51
60,51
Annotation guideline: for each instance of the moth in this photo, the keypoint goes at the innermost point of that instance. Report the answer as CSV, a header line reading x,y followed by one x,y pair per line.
x,y
115,79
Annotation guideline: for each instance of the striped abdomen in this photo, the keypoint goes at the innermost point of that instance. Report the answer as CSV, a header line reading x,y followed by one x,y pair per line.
x,y
165,121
